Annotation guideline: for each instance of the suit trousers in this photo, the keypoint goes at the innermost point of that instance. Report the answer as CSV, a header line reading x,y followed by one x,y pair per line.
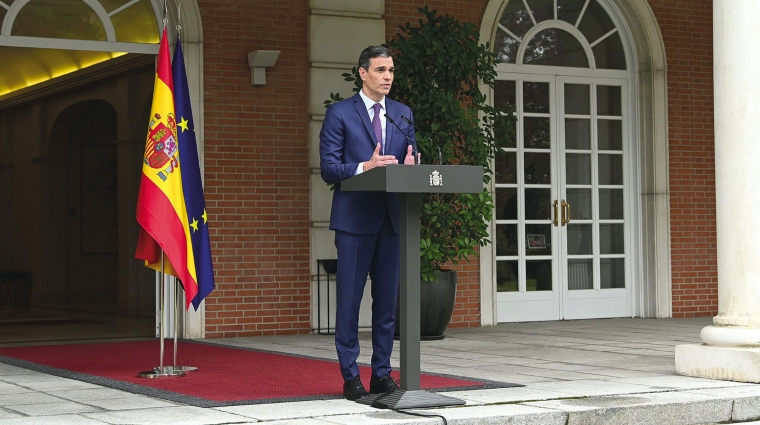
x,y
378,256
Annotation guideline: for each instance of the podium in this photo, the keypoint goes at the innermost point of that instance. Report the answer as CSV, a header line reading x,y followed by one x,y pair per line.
x,y
410,182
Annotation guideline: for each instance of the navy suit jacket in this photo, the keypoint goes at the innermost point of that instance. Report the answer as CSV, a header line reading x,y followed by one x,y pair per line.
x,y
347,139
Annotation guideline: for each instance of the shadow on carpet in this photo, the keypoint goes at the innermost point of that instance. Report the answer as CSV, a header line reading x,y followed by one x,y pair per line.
x,y
226,375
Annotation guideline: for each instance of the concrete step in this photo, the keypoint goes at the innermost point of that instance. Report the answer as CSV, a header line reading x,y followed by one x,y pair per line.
x,y
692,407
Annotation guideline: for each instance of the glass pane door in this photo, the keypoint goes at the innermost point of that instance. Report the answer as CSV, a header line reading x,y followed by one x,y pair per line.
x,y
525,180
578,177
592,187
561,223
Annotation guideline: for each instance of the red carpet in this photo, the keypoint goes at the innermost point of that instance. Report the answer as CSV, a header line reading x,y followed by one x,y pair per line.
x,y
225,376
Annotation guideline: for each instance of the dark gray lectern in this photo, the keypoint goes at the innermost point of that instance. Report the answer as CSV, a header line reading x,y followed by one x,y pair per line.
x,y
411,182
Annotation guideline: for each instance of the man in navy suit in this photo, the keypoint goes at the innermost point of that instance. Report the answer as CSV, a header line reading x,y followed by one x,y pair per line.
x,y
359,134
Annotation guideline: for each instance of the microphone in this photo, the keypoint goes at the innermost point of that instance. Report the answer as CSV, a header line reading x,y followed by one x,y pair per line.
x,y
440,156
414,145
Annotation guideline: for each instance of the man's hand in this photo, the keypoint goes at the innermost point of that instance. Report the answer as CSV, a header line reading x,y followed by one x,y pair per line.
x,y
378,160
409,158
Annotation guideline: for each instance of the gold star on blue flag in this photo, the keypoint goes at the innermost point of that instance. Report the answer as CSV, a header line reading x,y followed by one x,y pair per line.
x,y
191,179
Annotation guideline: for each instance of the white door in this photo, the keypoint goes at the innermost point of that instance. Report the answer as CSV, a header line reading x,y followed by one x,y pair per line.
x,y
562,233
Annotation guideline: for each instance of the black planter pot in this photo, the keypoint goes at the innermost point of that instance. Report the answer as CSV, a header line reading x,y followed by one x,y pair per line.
x,y
436,306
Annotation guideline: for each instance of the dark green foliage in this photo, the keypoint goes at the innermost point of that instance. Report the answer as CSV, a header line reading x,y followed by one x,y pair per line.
x,y
441,72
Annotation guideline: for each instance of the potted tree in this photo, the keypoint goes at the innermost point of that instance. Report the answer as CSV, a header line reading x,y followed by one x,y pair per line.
x,y
441,72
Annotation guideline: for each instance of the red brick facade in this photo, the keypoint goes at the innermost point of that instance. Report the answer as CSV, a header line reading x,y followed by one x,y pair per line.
x,y
257,168
257,162
686,28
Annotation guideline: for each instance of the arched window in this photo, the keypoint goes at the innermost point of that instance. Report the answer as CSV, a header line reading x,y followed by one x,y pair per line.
x,y
126,21
45,39
573,33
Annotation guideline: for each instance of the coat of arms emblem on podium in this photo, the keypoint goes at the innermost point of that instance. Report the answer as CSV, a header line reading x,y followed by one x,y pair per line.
x,y
436,179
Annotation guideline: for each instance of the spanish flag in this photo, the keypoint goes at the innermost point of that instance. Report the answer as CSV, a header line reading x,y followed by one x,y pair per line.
x,y
161,210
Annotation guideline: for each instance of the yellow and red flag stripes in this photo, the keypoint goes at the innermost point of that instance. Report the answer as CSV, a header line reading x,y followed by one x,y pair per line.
x,y
161,210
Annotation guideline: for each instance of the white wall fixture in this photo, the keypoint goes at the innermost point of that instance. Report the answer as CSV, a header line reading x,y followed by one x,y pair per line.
x,y
258,61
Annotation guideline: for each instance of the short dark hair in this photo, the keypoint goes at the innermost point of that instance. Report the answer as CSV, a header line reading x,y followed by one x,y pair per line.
x,y
372,52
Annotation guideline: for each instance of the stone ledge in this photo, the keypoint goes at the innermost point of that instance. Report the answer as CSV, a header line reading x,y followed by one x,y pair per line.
x,y
723,363
659,408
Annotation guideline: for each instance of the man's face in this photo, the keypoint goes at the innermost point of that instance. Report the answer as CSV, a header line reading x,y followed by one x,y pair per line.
x,y
378,78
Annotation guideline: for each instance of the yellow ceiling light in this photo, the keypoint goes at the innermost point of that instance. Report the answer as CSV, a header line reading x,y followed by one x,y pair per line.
x,y
94,61
34,66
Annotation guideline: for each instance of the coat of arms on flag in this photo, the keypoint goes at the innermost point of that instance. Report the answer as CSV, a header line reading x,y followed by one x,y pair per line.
x,y
161,146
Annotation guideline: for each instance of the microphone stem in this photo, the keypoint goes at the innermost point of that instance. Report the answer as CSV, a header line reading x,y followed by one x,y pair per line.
x,y
414,144
440,156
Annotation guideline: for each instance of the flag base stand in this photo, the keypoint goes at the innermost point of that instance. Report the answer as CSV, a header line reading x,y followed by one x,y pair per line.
x,y
186,368
162,371
168,372
180,369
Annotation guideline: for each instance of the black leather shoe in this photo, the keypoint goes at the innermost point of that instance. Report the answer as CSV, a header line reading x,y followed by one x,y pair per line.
x,y
354,389
385,384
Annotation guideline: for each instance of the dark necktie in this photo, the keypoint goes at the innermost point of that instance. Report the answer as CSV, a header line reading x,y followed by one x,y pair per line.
x,y
378,127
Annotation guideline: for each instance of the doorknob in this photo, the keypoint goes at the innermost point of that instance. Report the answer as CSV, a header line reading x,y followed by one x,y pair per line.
x,y
565,212
556,213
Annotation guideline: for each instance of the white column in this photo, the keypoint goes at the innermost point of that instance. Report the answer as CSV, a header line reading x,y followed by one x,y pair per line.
x,y
731,348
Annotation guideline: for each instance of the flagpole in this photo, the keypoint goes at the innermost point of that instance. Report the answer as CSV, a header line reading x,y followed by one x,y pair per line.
x,y
176,320
160,371
177,281
176,368
161,303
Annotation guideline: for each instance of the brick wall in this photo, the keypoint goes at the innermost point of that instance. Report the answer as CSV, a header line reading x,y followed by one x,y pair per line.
x,y
257,169
398,12
686,27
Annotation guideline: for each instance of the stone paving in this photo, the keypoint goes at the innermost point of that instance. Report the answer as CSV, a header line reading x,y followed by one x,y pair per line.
x,y
613,371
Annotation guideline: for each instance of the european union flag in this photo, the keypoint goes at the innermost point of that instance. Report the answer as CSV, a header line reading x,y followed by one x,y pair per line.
x,y
191,179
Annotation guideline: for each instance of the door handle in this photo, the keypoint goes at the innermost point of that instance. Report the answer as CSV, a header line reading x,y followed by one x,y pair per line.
x,y
556,214
565,212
